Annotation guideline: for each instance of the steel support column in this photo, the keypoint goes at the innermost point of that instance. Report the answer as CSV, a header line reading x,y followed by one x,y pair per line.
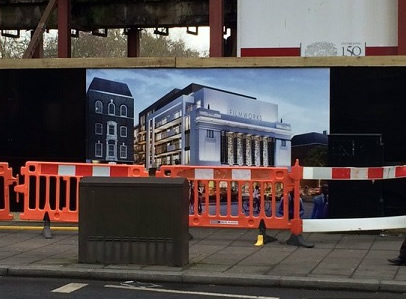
x,y
133,42
216,20
401,27
64,39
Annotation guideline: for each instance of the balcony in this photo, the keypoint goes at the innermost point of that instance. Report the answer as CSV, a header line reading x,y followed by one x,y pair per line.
x,y
168,122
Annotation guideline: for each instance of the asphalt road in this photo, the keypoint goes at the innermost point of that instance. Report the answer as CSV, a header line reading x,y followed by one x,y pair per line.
x,y
18,287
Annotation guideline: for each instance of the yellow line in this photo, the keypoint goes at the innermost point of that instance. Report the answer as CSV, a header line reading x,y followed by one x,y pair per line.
x,y
23,227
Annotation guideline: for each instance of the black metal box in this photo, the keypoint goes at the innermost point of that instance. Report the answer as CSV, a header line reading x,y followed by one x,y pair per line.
x,y
134,221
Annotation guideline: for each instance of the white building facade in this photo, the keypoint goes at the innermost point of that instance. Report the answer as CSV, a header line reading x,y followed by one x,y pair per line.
x,y
215,127
319,27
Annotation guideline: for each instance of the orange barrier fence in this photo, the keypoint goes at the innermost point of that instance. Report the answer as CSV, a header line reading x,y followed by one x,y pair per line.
x,y
6,182
54,187
227,196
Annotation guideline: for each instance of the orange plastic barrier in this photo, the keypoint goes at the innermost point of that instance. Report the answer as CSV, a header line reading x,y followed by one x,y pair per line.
x,y
6,181
226,196
54,187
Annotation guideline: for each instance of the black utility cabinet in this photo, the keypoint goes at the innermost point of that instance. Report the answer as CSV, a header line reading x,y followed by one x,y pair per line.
x,y
134,221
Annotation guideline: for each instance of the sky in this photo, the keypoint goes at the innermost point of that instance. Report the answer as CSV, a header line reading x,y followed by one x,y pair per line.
x,y
302,94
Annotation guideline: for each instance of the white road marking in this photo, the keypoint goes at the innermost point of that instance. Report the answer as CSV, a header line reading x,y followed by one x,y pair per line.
x,y
69,288
128,287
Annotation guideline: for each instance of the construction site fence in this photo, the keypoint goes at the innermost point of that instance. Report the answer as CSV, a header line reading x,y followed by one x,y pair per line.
x,y
7,183
223,196
219,196
53,188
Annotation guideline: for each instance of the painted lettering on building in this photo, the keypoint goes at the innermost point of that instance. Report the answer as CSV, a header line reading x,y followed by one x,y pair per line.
x,y
247,115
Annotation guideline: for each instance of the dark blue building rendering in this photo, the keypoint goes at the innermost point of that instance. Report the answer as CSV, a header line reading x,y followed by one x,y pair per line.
x,y
110,122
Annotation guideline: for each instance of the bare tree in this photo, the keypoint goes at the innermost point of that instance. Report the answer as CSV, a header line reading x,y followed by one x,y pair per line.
x,y
12,47
112,45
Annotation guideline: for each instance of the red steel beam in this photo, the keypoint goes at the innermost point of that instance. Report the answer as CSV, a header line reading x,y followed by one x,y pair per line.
x,y
133,42
401,27
216,21
64,26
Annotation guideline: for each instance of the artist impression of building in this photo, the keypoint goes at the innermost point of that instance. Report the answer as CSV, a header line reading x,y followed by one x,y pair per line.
x,y
201,125
110,122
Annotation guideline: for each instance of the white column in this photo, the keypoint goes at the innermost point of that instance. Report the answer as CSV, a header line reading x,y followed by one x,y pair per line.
x,y
257,152
230,148
239,149
265,153
248,150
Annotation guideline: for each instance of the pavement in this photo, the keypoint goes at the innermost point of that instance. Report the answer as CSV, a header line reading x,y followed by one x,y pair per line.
x,y
352,261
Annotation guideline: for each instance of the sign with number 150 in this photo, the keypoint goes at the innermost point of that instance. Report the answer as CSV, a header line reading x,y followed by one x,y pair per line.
x,y
352,49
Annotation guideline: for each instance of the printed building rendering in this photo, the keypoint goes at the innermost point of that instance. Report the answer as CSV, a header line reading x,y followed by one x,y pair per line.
x,y
110,122
200,125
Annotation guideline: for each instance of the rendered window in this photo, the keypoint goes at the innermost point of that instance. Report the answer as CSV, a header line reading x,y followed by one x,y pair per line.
x,y
252,152
187,157
244,151
123,131
98,107
111,150
111,129
223,148
98,129
235,150
210,134
112,108
123,110
123,151
261,152
98,150
187,123
271,160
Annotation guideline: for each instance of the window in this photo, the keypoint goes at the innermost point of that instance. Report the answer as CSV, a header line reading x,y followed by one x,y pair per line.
x,y
123,151
271,160
244,151
235,150
112,108
123,131
98,107
187,157
252,151
187,123
283,143
187,140
98,129
98,149
261,153
210,134
123,110
223,148
111,129
111,151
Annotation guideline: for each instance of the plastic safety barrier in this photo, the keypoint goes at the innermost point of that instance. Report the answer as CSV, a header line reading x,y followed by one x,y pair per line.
x,y
54,187
354,173
225,196
6,182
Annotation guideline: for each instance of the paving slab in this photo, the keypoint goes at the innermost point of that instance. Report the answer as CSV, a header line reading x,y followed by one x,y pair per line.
x,y
225,256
